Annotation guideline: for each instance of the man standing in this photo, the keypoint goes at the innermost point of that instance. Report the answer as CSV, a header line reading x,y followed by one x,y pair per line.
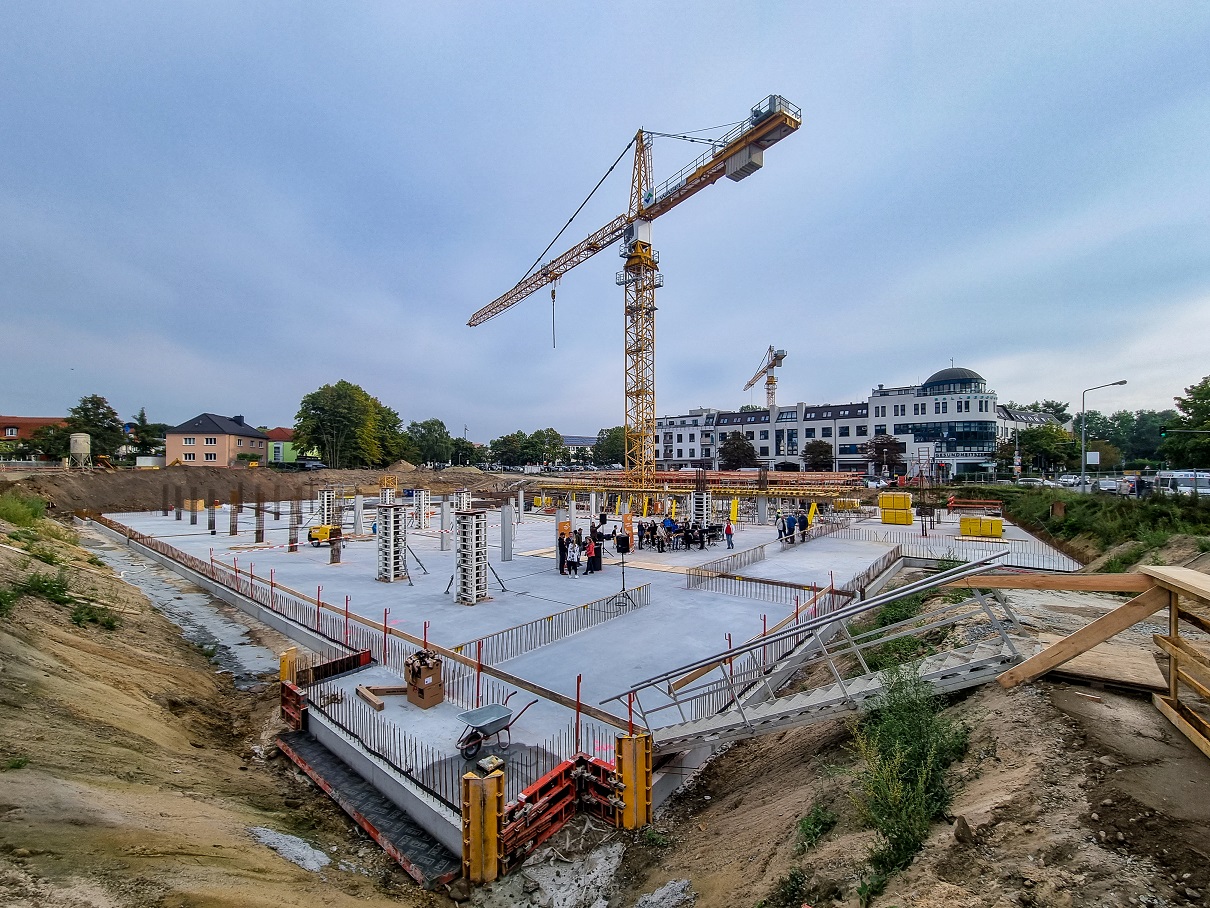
x,y
729,532
781,527
562,553
802,526
790,528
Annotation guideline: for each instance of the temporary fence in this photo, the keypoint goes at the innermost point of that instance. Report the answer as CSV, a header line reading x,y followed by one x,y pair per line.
x,y
523,638
1022,553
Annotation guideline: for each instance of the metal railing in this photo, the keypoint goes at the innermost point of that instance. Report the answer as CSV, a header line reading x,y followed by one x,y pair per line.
x,y
1024,553
493,649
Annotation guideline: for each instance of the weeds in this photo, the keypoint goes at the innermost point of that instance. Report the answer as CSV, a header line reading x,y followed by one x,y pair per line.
x,y
1203,543
1121,562
45,555
906,746
84,614
50,588
871,887
21,534
818,822
8,598
16,763
896,652
656,839
790,891
21,510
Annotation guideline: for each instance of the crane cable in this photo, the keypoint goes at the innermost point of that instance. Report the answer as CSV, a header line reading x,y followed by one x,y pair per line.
x,y
529,270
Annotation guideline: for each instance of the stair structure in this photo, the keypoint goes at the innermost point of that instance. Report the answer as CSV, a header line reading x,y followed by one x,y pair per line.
x,y
736,697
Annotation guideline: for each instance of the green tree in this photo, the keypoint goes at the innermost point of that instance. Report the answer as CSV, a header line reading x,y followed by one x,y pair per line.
x,y
433,440
1046,447
817,455
747,408
147,437
349,427
510,450
883,450
464,452
1190,451
610,446
735,452
546,446
49,441
1111,454
94,415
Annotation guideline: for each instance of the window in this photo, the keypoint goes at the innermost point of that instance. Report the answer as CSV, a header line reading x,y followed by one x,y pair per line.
x,y
705,452
680,452
863,430
827,432
880,430
189,455
808,416
668,438
278,453
210,440
722,436
936,406
691,437
693,452
945,406
210,455
764,434
764,450
844,412
679,438
188,440
787,416
239,442
707,436
10,432
844,432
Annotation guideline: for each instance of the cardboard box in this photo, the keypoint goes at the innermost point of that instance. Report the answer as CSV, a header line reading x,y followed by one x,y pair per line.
x,y
425,696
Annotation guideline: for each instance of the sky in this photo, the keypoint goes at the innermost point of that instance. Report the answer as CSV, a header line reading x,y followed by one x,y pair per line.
x,y
220,207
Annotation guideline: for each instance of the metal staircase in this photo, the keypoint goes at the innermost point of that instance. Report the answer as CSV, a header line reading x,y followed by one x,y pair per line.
x,y
737,698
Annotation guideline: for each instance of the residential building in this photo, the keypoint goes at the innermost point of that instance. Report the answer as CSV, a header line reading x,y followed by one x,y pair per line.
x,y
22,428
1011,421
281,445
210,440
579,447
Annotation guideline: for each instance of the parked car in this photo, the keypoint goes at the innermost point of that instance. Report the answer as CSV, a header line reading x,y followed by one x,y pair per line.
x,y
1032,482
314,465
875,482
1069,479
1106,484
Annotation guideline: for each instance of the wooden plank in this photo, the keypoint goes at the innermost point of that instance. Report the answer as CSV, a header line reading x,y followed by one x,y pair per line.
x,y
1186,720
1095,583
1186,678
365,694
1198,620
1131,613
1190,659
1186,581
1113,663
386,690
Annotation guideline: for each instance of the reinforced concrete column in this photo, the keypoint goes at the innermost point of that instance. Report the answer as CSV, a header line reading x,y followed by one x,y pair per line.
x,y
446,512
358,511
482,817
506,533
762,510
521,506
592,506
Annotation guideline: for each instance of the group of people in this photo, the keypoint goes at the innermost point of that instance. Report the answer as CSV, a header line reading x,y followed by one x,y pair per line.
x,y
575,549
671,535
788,523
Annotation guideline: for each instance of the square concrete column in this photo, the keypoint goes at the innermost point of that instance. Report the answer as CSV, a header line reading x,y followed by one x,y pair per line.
x,y
446,524
762,510
506,533
358,506
521,506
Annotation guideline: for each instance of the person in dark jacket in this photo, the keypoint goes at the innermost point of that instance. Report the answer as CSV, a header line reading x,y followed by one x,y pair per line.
x,y
562,553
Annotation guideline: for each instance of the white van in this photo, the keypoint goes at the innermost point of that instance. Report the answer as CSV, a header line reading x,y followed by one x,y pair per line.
x,y
1181,482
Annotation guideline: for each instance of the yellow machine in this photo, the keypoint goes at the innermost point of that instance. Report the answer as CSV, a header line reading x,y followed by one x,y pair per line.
x,y
317,535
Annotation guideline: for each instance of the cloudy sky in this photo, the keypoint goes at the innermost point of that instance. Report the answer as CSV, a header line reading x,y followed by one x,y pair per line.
x,y
222,206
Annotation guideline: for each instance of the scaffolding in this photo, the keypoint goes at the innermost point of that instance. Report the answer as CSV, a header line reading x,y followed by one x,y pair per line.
x,y
462,500
388,486
470,574
392,544
326,501
420,508
701,508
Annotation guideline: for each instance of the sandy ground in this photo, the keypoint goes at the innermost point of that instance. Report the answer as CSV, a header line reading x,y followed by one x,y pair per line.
x,y
131,774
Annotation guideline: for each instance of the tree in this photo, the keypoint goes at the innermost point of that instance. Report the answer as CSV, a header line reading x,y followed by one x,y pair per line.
x,y
747,408
432,439
736,452
147,437
1046,448
817,455
610,447
463,451
1111,455
96,417
884,451
49,441
349,427
1190,451
510,450
546,446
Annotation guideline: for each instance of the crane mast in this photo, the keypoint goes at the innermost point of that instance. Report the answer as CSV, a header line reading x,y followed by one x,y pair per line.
x,y
773,359
736,155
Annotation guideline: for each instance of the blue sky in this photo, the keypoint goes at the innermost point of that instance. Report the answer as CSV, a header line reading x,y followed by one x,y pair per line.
x,y
221,206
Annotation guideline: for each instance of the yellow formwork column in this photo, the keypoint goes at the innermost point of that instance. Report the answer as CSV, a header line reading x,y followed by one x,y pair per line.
x,y
633,754
812,514
286,665
735,510
482,815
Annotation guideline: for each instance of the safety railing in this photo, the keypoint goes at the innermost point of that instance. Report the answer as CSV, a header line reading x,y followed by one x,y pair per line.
x,y
1024,553
493,649
696,576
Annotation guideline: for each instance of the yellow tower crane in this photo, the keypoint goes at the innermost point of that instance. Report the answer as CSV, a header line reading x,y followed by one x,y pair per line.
x,y
772,360
737,154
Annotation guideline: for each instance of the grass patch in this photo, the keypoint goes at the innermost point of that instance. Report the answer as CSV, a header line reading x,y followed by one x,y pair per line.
x,y
790,891
16,763
50,588
8,598
655,838
45,555
84,614
1123,561
21,510
23,534
906,746
896,652
899,610
811,828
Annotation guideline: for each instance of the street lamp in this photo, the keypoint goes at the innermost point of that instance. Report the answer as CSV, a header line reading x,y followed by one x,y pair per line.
x,y
1084,431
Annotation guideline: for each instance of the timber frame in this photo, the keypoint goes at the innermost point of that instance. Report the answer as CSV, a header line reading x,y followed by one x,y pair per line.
x,y
1184,592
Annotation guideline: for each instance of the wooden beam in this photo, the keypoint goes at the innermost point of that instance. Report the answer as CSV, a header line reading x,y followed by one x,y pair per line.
x,y
1201,622
364,693
1185,581
1131,613
1190,659
1095,583
386,690
1191,725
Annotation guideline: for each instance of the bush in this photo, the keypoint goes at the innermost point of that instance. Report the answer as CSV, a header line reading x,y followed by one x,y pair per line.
x,y
790,891
818,822
84,614
45,555
8,598
1121,562
21,510
906,746
16,763
53,589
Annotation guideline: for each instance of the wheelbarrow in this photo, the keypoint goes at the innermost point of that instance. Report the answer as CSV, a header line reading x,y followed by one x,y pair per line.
x,y
491,721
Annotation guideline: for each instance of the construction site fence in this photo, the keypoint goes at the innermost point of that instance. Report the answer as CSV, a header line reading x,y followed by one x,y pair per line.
x,y
523,638
1021,553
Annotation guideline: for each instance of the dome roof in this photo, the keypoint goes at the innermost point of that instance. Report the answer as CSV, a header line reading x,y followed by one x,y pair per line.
x,y
953,375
